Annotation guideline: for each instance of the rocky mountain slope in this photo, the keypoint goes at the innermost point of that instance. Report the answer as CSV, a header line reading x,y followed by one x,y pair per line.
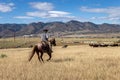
x,y
7,30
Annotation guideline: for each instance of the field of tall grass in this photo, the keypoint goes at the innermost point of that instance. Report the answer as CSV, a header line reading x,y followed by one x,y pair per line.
x,y
20,42
76,62
79,62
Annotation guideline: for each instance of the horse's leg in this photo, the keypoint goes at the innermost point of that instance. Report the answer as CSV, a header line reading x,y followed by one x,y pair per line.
x,y
32,54
41,56
51,46
38,56
49,56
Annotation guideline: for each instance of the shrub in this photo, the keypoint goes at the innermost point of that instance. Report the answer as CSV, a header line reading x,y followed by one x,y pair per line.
x,y
3,56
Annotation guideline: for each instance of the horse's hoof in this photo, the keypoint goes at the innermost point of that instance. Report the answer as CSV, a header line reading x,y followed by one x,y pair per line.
x,y
48,60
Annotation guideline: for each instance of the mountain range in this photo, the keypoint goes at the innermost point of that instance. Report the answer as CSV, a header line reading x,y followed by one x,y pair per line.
x,y
7,30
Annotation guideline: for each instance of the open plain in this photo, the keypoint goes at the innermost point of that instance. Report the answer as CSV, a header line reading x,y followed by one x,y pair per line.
x,y
76,62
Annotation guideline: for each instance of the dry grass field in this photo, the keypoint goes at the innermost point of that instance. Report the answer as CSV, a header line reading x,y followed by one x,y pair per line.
x,y
79,62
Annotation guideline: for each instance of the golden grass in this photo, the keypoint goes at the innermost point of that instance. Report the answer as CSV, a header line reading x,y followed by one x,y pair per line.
x,y
73,63
27,42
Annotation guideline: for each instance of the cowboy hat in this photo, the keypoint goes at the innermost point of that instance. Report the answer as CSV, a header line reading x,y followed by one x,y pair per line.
x,y
45,30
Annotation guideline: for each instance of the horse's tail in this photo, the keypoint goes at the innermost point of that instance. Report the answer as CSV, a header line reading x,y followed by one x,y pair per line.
x,y
33,52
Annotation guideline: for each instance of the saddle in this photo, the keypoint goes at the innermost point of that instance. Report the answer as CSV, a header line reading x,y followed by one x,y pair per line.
x,y
45,46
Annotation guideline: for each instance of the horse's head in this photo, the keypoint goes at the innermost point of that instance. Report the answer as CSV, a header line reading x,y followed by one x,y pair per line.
x,y
53,41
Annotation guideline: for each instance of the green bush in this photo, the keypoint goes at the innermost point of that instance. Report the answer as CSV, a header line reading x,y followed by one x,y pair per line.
x,y
3,56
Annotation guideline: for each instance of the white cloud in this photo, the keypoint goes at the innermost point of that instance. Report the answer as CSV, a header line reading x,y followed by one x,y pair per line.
x,y
45,10
38,14
42,5
11,4
57,13
95,10
105,18
6,7
48,14
23,17
112,12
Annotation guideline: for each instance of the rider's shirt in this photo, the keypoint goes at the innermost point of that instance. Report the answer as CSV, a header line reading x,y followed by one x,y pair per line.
x,y
44,37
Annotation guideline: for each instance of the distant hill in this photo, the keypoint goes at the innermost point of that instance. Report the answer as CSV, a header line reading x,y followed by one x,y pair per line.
x,y
7,30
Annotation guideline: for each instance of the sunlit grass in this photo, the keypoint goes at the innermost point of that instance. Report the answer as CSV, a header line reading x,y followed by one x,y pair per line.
x,y
72,63
20,42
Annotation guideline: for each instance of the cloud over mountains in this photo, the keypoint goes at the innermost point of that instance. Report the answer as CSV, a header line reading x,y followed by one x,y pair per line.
x,y
4,7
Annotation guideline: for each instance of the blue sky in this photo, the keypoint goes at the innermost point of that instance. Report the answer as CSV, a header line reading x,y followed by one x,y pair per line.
x,y
27,11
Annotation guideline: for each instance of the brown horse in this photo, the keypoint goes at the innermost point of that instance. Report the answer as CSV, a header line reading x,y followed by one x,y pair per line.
x,y
52,42
43,48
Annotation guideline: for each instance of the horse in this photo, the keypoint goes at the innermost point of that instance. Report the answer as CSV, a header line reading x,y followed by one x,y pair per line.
x,y
43,48
52,42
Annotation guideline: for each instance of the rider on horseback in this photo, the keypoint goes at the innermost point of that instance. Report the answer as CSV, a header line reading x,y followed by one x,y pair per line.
x,y
44,40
